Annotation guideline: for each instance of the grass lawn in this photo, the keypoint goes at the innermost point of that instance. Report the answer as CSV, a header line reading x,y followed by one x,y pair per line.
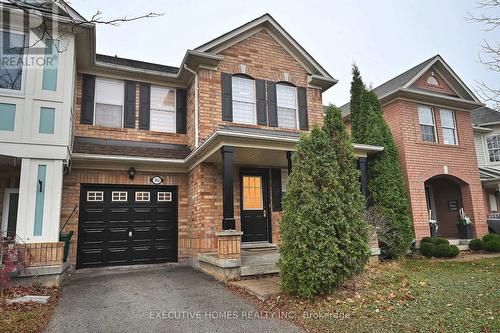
x,y
27,317
408,296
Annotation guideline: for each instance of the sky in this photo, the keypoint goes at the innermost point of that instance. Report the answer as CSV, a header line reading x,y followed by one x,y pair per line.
x,y
384,37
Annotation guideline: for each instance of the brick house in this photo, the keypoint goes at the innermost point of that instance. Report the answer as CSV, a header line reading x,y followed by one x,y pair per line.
x,y
428,109
189,163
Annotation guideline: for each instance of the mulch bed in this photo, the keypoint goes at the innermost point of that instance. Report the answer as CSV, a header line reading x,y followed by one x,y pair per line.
x,y
30,316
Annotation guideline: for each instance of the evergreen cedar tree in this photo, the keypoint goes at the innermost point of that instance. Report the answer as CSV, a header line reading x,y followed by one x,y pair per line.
x,y
386,187
323,234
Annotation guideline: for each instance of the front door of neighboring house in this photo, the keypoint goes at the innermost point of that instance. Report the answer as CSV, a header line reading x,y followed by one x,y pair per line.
x,y
254,194
9,216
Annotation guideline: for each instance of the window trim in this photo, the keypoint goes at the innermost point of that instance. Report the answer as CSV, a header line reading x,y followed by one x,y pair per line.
x,y
455,130
436,139
166,199
21,91
487,150
246,77
297,121
142,192
119,193
95,196
174,108
95,101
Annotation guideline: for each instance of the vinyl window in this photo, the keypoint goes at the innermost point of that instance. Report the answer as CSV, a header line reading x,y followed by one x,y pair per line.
x,y
162,109
109,99
287,105
119,196
427,126
12,54
141,196
95,196
244,100
449,127
7,117
493,144
164,196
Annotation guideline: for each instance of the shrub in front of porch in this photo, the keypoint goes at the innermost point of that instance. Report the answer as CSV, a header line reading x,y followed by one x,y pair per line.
x,y
385,180
323,235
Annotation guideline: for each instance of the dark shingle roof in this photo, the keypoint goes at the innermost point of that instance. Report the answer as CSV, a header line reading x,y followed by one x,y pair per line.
x,y
394,83
485,115
136,64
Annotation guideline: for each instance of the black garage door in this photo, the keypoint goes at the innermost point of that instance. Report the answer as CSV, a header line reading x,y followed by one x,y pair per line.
x,y
127,225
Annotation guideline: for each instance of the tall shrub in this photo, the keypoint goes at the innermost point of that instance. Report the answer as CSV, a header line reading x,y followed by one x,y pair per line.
x,y
356,114
320,246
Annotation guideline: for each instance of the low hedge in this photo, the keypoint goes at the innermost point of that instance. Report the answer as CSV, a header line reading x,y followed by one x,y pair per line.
x,y
492,245
438,249
434,240
476,245
490,237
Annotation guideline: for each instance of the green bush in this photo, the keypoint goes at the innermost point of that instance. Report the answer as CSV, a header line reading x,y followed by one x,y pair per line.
x,y
431,240
441,250
426,249
323,233
453,251
441,240
476,245
492,246
490,237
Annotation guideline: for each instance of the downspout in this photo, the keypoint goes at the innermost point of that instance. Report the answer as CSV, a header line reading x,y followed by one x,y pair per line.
x,y
196,107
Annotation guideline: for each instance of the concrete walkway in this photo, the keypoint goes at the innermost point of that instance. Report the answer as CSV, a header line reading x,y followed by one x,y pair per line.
x,y
166,299
263,289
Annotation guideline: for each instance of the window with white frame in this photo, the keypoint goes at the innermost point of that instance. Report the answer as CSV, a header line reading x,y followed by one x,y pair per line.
x,y
109,98
95,196
449,127
141,196
426,120
119,196
243,100
493,144
162,114
286,96
11,72
164,196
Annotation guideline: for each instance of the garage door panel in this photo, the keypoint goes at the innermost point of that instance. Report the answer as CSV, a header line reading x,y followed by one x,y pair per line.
x,y
115,231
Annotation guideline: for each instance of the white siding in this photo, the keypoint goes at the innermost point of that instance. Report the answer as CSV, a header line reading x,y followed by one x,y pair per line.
x,y
478,143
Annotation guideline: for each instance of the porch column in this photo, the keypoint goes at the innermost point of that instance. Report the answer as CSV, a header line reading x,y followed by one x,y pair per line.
x,y
228,222
289,159
363,176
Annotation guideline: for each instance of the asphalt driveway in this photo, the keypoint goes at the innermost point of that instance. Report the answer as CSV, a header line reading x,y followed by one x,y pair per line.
x,y
162,299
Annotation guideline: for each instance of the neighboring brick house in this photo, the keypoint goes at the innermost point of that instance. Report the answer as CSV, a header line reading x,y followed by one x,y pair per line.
x,y
486,125
185,163
428,109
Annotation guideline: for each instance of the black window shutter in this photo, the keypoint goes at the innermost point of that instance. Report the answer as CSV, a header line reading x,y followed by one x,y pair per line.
x,y
180,104
227,97
272,106
144,106
87,112
129,114
260,88
302,99
276,189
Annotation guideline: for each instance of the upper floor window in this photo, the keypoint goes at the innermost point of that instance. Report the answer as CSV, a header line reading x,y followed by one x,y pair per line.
x,y
7,117
243,100
493,143
286,96
11,71
449,127
49,78
426,121
162,114
109,98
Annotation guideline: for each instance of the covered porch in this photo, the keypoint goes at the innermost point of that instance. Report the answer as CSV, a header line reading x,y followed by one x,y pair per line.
x,y
253,166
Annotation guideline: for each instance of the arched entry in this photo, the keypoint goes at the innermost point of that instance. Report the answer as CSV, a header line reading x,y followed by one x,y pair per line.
x,y
445,197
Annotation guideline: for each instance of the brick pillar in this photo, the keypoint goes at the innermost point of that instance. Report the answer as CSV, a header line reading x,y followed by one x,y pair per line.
x,y
229,244
419,213
472,196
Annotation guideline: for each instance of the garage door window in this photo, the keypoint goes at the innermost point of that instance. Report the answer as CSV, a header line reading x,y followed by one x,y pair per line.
x,y
141,196
95,196
164,196
119,196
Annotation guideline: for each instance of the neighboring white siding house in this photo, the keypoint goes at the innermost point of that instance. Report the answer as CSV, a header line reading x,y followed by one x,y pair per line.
x,y
36,106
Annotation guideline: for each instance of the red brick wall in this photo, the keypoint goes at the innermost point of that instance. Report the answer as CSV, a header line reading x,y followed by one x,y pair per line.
x,y
422,160
71,198
443,87
264,59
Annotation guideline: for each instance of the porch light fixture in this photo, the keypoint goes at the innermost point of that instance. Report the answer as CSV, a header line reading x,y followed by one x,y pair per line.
x,y
131,173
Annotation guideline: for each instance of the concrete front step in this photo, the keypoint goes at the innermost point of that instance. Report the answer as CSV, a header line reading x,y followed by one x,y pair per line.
x,y
459,241
259,270
259,245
